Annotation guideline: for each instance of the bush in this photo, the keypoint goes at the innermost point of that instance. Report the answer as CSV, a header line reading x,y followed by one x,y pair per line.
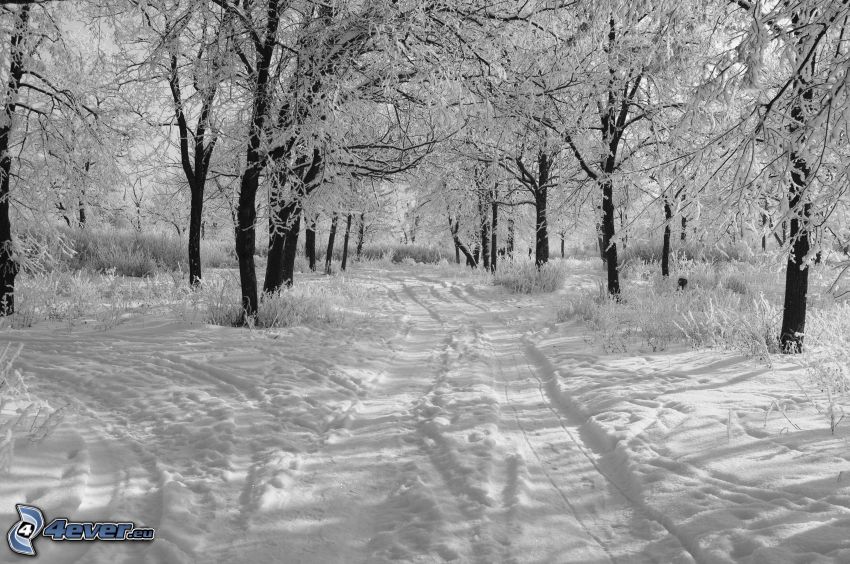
x,y
323,301
523,277
129,253
119,251
718,311
650,252
397,253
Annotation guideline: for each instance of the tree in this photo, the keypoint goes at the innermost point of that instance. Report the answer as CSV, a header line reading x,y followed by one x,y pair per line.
x,y
18,51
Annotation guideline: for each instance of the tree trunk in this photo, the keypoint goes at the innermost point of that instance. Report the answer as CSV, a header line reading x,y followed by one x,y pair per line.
x,y
494,249
485,230
345,243
796,269
331,236
454,227
361,235
608,235
764,231
510,241
684,234
254,164
541,234
284,224
310,244
290,248
563,245
665,247
196,207
8,266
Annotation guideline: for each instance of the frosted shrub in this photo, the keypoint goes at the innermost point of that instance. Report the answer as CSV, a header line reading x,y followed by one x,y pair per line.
x,y
826,358
523,277
315,302
737,284
656,315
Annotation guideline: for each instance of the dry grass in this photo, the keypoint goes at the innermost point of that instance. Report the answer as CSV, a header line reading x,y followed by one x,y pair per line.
x,y
723,311
314,302
523,277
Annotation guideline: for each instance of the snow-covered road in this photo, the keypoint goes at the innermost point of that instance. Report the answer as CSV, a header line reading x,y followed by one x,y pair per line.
x,y
449,421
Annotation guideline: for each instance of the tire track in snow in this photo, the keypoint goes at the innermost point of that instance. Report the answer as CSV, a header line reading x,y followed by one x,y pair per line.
x,y
572,418
460,457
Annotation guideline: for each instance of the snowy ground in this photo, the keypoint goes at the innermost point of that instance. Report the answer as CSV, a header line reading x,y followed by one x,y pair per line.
x,y
457,422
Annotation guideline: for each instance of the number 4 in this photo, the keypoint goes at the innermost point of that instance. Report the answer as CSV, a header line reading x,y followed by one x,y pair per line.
x,y
26,530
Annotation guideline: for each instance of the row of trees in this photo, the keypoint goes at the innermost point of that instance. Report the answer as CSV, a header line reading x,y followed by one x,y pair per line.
x,y
612,111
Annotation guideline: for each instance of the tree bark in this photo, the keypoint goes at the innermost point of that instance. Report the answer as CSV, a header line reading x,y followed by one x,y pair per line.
x,y
345,243
454,227
510,241
665,247
331,236
254,164
796,269
361,235
284,224
8,265
494,248
483,212
310,244
541,232
195,214
608,235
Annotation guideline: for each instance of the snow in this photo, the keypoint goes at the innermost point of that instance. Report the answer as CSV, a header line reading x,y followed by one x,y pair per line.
x,y
458,423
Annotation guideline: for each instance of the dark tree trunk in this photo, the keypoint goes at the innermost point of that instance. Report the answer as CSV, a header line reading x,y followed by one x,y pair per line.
x,y
600,244
684,234
457,254
345,243
245,236
665,247
254,163
624,237
494,249
796,270
764,231
195,214
483,212
310,244
82,201
563,245
284,224
361,235
541,234
476,254
285,220
194,169
8,266
331,237
510,241
290,250
608,235
454,227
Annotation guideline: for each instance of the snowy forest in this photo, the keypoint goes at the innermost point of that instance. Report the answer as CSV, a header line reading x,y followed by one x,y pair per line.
x,y
336,281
